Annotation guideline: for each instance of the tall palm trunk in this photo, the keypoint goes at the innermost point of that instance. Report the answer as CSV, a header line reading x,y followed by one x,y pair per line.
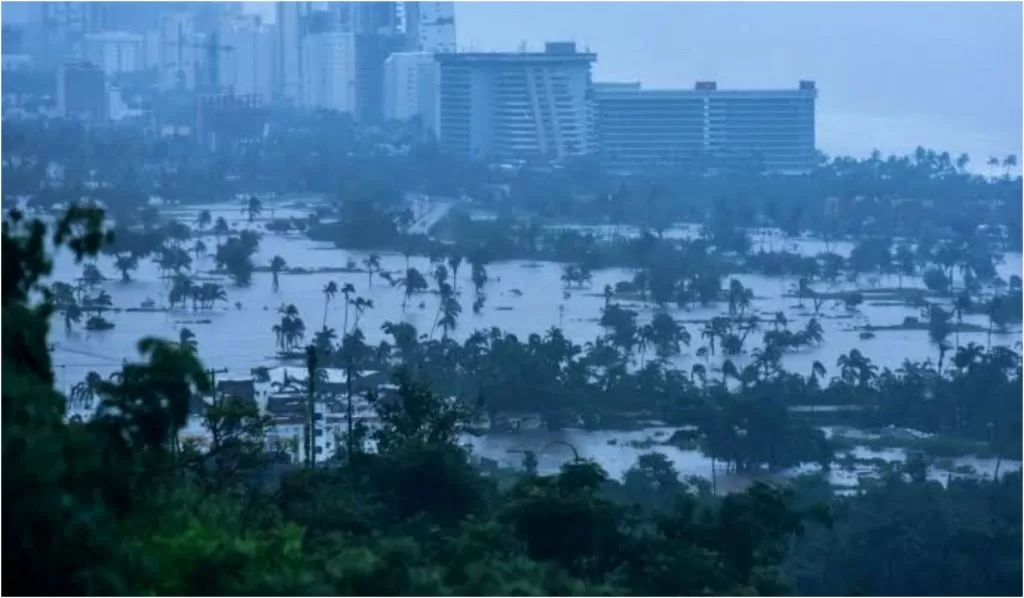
x,y
311,433
349,439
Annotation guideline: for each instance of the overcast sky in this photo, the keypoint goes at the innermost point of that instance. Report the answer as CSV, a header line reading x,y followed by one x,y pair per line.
x,y
890,75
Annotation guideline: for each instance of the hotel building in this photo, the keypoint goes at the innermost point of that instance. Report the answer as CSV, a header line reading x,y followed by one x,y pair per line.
x,y
639,128
517,105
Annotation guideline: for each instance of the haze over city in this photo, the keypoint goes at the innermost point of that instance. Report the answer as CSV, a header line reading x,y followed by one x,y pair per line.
x,y
542,299
892,75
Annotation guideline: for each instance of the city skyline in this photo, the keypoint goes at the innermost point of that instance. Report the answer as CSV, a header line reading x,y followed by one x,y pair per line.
x,y
952,76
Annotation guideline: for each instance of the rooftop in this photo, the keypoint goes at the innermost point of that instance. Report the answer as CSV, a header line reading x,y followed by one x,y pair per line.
x,y
700,89
553,52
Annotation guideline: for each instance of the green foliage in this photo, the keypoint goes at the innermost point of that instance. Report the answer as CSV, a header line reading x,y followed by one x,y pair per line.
x,y
116,506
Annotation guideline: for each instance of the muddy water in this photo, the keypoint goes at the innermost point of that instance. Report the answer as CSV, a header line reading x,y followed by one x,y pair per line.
x,y
522,298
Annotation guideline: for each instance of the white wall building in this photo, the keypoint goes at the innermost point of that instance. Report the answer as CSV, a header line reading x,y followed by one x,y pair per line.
x,y
115,52
247,69
329,71
411,82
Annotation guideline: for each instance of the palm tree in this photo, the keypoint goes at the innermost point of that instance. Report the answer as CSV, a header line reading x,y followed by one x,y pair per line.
x,y
72,313
324,340
962,161
739,297
125,263
1010,162
718,327
347,290
253,207
996,315
187,340
454,261
372,263
360,306
440,276
960,305
938,330
450,315
220,228
276,265
813,332
199,249
479,277
210,293
203,220
817,371
414,283
445,291
854,367
330,290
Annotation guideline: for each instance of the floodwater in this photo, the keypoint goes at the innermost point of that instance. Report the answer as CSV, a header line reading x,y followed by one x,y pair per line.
x,y
522,298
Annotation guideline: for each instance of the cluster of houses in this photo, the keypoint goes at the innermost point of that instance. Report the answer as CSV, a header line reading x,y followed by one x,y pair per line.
x,y
281,394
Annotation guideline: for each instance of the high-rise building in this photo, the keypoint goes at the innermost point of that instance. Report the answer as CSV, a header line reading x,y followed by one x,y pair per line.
x,y
115,52
290,32
248,68
329,71
428,26
81,91
640,128
365,18
411,88
517,105
180,52
372,50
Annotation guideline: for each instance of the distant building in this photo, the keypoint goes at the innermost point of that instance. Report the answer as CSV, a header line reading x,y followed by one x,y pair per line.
x,y
81,91
640,128
248,68
178,47
364,18
411,88
428,26
288,65
115,52
329,71
372,50
517,105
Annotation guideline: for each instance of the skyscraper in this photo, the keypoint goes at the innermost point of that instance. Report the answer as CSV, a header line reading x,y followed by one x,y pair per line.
x,y
179,51
411,88
520,105
428,26
248,68
329,71
290,31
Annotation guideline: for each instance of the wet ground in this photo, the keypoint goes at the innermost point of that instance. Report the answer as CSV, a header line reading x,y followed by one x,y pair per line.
x,y
522,298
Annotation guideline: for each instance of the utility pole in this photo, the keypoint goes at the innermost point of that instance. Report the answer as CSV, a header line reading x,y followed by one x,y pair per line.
x,y
212,373
311,435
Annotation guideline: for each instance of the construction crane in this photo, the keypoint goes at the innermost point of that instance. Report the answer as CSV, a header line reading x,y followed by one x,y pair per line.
x,y
212,50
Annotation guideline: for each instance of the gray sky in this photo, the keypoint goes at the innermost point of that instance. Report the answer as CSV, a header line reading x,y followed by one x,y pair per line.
x,y
890,75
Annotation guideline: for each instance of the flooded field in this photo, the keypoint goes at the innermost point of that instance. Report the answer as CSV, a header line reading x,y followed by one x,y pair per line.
x,y
522,298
